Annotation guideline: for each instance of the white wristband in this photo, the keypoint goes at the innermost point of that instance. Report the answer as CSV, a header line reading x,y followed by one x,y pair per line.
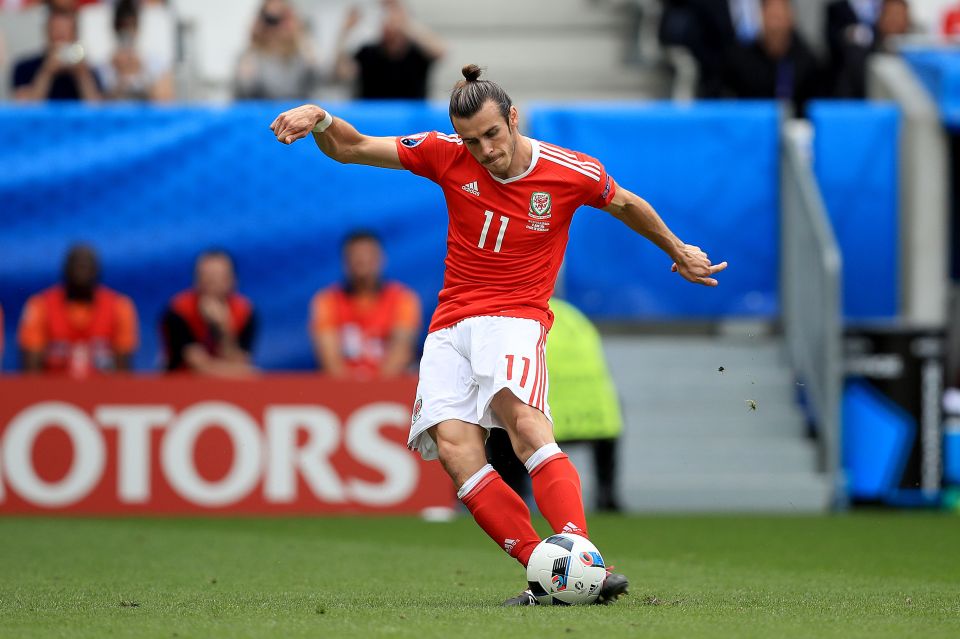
x,y
323,124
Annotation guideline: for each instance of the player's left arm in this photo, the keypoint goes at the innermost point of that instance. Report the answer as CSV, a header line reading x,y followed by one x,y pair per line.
x,y
688,260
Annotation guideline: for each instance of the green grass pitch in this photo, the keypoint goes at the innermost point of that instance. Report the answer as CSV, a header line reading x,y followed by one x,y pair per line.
x,y
864,575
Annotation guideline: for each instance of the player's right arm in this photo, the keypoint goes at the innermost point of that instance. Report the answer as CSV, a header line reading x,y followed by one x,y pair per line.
x,y
340,141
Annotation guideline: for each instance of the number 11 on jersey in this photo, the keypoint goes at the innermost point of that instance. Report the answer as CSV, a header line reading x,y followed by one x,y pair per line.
x,y
486,227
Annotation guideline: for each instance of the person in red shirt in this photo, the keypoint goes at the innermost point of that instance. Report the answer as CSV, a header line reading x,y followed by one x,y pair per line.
x,y
510,201
79,327
951,22
210,328
364,328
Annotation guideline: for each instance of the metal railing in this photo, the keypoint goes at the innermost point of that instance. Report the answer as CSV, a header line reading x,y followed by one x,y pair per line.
x,y
924,165
811,296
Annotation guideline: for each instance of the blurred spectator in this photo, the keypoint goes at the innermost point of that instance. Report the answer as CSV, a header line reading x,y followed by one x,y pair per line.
x,y
130,76
365,327
707,29
210,328
779,64
398,65
746,18
894,21
61,71
278,64
855,29
78,327
951,22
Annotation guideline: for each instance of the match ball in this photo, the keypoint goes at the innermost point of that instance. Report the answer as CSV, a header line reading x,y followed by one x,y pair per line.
x,y
566,570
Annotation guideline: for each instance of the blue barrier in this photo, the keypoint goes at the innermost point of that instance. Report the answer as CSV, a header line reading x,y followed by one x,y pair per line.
x,y
939,71
855,154
951,456
711,170
150,188
876,441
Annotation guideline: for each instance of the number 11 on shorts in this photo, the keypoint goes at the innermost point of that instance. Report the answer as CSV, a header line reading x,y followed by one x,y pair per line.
x,y
526,369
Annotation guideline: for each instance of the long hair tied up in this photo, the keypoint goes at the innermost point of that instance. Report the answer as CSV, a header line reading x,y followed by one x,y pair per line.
x,y
470,94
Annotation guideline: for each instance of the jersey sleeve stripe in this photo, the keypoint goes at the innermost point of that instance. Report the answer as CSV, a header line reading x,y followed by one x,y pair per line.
x,y
589,166
567,154
596,178
557,149
455,139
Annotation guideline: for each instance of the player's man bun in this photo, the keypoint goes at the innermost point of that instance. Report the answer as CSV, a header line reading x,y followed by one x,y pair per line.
x,y
470,94
471,72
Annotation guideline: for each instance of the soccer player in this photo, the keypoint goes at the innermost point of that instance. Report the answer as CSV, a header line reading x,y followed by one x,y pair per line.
x,y
510,200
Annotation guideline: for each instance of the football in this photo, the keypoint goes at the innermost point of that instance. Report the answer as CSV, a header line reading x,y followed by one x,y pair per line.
x,y
566,570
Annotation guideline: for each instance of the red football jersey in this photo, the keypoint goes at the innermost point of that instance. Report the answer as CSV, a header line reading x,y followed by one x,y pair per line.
x,y
505,238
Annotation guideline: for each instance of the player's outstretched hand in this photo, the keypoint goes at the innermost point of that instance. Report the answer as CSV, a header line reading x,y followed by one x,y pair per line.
x,y
694,266
297,123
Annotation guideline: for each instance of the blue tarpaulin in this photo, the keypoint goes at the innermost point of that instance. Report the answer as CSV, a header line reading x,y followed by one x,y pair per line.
x,y
711,170
939,70
856,151
151,187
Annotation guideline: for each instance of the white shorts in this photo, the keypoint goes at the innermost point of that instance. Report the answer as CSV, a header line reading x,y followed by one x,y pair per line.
x,y
465,365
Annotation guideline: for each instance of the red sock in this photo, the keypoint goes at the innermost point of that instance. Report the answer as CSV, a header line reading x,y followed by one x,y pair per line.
x,y
556,488
501,513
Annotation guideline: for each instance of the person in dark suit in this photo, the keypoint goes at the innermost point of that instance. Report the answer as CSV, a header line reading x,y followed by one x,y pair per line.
x,y
779,64
855,30
60,71
850,38
705,28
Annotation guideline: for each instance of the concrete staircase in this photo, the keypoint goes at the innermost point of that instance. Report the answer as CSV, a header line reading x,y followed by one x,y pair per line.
x,y
538,49
692,439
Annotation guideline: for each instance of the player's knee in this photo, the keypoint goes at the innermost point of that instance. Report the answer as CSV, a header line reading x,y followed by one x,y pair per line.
x,y
531,431
460,459
454,450
449,451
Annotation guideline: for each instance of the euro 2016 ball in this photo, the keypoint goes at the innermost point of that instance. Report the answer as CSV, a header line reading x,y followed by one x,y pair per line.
x,y
565,570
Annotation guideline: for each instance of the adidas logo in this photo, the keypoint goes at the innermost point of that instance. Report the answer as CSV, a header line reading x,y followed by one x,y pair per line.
x,y
571,527
508,544
471,188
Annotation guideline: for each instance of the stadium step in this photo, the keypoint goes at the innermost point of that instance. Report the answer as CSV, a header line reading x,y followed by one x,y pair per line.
x,y
555,14
547,50
699,426
771,492
666,455
698,439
